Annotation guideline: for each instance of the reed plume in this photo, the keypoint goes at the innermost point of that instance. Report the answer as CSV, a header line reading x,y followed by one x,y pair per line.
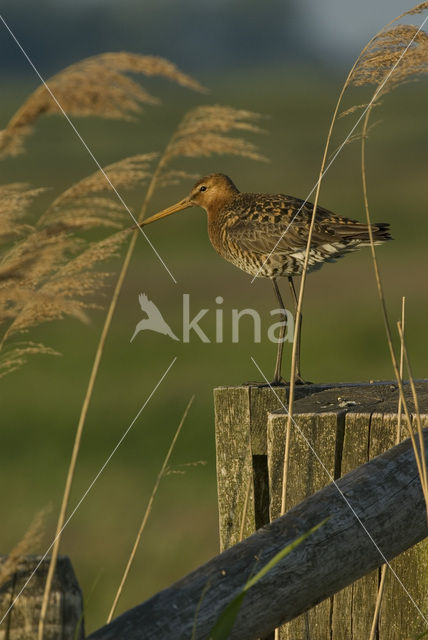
x,y
92,203
48,270
51,271
203,130
29,542
96,86
386,50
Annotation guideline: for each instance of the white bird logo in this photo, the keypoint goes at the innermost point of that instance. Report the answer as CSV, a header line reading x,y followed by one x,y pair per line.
x,y
154,321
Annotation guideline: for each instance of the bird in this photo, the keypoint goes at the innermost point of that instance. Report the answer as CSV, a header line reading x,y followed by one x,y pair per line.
x,y
154,321
266,235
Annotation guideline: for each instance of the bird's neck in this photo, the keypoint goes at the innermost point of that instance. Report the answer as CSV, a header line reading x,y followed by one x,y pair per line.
x,y
217,217
221,203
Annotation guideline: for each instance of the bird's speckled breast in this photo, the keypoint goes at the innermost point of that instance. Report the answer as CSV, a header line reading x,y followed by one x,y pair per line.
x,y
219,225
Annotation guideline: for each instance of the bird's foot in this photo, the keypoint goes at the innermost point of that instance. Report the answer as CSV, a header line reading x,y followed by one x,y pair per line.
x,y
279,382
299,380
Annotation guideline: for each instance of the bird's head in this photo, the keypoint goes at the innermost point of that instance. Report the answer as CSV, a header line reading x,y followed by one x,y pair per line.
x,y
210,193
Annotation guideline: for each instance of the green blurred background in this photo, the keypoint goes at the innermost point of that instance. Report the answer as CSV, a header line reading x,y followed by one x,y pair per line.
x,y
279,68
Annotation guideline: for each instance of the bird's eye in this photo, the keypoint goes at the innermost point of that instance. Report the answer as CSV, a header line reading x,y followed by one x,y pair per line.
x,y
203,188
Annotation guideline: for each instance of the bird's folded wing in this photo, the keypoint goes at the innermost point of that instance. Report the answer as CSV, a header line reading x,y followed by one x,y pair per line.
x,y
284,227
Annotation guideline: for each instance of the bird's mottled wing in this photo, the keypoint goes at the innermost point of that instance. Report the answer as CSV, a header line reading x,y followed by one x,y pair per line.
x,y
280,221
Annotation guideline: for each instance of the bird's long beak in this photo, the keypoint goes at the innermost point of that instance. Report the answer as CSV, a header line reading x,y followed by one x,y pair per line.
x,y
183,204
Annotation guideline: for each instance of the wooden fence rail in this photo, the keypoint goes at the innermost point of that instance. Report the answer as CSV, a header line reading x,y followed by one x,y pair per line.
x,y
335,429
384,493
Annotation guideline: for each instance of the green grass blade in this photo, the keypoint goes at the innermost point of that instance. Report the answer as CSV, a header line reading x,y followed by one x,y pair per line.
x,y
225,621
281,554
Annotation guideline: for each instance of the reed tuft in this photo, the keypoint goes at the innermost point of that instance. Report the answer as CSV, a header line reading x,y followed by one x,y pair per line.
x,y
29,542
417,9
54,286
385,50
15,199
91,202
202,133
96,86
48,271
16,356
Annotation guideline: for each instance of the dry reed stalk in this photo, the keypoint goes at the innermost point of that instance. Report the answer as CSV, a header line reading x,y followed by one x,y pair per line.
x,y
419,430
408,70
383,305
356,75
384,569
210,120
364,55
94,86
75,277
403,355
147,512
401,370
302,287
29,542
47,274
378,603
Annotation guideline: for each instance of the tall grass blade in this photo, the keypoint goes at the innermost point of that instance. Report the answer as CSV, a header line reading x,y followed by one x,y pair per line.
x,y
226,619
148,510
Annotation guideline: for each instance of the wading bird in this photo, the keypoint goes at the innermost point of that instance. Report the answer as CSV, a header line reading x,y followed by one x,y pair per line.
x,y
266,236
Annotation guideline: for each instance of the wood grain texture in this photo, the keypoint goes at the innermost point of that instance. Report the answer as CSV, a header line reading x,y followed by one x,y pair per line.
x,y
241,415
398,617
385,493
353,607
336,421
64,619
234,464
305,476
370,427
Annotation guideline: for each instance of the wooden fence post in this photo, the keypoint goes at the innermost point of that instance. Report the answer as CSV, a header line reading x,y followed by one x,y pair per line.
x,y
346,425
64,619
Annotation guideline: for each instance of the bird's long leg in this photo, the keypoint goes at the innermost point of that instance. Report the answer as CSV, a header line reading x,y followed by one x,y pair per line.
x,y
277,375
299,378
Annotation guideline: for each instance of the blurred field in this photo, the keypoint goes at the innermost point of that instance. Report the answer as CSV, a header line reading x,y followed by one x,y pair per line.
x,y
343,337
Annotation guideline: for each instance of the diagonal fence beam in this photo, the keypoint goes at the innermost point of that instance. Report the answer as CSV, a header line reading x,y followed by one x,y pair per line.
x,y
386,495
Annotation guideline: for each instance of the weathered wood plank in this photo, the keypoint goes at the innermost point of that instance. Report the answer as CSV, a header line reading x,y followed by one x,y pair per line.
x,y
398,616
234,464
64,620
353,607
305,476
385,493
241,415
